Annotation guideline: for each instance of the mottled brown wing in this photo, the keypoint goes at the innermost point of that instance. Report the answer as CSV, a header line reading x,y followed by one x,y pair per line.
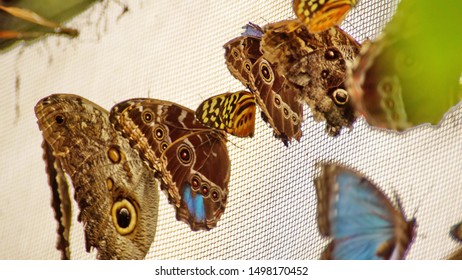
x,y
60,199
244,60
315,66
191,159
278,101
115,190
241,53
320,75
233,112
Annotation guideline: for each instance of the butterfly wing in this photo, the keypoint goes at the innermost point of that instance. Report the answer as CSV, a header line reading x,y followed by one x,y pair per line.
x,y
321,75
314,65
244,60
242,52
321,15
278,101
359,217
191,159
115,190
233,112
60,199
199,167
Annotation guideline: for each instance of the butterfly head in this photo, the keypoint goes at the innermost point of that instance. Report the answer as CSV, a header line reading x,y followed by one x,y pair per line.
x,y
58,121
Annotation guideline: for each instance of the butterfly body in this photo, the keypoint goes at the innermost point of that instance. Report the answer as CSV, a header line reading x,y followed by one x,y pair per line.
x,y
115,190
190,159
359,217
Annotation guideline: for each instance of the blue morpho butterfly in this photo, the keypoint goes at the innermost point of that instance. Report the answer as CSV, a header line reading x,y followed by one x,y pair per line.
x,y
191,159
359,217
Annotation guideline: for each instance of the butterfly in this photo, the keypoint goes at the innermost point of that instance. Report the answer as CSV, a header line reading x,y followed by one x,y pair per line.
x,y
320,15
359,217
190,159
395,83
115,190
233,112
276,99
315,66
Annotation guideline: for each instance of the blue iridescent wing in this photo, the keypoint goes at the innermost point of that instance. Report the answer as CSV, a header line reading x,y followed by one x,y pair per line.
x,y
359,217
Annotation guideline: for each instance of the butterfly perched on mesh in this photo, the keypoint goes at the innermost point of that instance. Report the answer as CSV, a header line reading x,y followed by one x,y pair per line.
x,y
115,190
277,101
233,112
361,220
320,15
395,83
190,159
315,67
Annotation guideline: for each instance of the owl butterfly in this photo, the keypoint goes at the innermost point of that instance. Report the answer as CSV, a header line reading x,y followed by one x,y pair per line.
x,y
277,101
315,66
359,217
395,83
233,112
191,159
115,190
320,15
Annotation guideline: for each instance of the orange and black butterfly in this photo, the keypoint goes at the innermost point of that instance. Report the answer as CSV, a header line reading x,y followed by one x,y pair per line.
x,y
319,15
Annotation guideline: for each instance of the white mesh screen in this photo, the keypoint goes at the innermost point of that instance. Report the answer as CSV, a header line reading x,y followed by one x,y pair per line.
x,y
173,50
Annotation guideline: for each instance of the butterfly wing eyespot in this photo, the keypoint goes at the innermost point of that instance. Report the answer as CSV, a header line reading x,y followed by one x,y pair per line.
x,y
340,96
185,154
195,183
59,118
124,216
159,132
114,154
265,72
147,116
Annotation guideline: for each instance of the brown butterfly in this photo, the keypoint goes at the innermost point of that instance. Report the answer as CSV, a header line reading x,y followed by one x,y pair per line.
x,y
190,159
278,102
315,66
115,190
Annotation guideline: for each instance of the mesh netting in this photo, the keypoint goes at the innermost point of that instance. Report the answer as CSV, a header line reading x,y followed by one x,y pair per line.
x,y
173,50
